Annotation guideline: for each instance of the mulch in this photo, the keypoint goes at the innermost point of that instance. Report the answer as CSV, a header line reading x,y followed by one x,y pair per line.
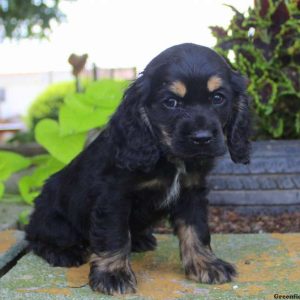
x,y
225,220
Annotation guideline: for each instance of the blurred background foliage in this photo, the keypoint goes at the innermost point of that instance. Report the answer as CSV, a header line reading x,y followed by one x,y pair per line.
x,y
47,104
60,120
28,18
264,44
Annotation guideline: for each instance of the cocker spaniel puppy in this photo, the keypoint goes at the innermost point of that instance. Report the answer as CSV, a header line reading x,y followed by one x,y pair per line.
x,y
149,162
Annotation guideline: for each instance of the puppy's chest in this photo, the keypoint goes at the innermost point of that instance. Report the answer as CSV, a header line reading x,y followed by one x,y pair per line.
x,y
169,186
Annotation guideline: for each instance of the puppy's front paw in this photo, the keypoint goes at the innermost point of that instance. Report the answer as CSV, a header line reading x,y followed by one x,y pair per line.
x,y
121,281
215,272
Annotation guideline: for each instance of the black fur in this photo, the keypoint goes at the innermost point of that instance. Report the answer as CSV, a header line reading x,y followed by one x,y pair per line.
x,y
120,185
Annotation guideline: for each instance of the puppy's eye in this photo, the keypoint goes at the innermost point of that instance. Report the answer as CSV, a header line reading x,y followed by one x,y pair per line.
x,y
171,103
218,99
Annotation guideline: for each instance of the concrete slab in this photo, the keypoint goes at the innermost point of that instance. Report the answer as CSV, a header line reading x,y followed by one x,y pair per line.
x,y
9,213
12,243
267,264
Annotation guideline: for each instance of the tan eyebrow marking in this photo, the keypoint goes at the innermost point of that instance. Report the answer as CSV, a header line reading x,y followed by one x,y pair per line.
x,y
178,88
213,83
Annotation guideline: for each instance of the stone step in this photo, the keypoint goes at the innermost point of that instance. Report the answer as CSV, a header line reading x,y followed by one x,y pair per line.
x,y
12,244
268,264
9,213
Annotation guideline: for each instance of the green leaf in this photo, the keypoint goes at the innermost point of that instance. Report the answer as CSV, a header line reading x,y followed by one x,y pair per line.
x,y
2,188
11,163
266,46
278,130
47,104
39,159
30,185
76,117
63,148
92,109
106,93
24,216
29,188
268,110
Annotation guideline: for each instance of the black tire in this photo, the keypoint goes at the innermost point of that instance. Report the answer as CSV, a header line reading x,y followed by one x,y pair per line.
x,y
271,182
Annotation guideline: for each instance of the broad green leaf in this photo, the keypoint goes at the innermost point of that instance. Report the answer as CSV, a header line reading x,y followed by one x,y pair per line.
x,y
63,148
2,188
77,116
40,159
11,163
82,112
74,98
30,185
24,216
106,93
29,189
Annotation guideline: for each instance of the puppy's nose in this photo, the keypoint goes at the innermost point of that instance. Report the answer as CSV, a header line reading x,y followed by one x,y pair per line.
x,y
201,137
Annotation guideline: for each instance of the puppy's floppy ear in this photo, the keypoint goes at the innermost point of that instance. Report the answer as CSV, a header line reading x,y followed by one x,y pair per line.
x,y
239,124
131,130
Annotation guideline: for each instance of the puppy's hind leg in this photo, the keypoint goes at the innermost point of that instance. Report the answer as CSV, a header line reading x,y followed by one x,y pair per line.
x,y
51,237
60,257
143,241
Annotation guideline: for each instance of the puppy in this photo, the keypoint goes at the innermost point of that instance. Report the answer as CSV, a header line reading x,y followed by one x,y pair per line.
x,y
149,162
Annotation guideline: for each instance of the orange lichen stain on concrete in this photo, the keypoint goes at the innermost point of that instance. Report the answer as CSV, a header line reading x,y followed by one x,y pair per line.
x,y
258,268
238,287
160,281
281,263
7,240
49,291
224,286
291,244
156,280
249,291
241,291
78,277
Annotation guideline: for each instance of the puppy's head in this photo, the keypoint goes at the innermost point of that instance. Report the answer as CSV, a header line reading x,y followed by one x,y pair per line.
x,y
190,104
197,102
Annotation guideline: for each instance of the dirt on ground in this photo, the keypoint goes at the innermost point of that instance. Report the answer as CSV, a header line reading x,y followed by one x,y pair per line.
x,y
225,220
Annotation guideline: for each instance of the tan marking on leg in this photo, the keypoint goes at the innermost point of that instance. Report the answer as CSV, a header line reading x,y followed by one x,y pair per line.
x,y
109,262
198,259
178,88
112,264
213,83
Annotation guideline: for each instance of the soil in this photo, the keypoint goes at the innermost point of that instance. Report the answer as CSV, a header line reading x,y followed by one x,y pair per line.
x,y
224,220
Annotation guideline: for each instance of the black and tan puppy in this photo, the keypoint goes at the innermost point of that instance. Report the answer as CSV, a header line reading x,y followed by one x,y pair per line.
x,y
149,162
